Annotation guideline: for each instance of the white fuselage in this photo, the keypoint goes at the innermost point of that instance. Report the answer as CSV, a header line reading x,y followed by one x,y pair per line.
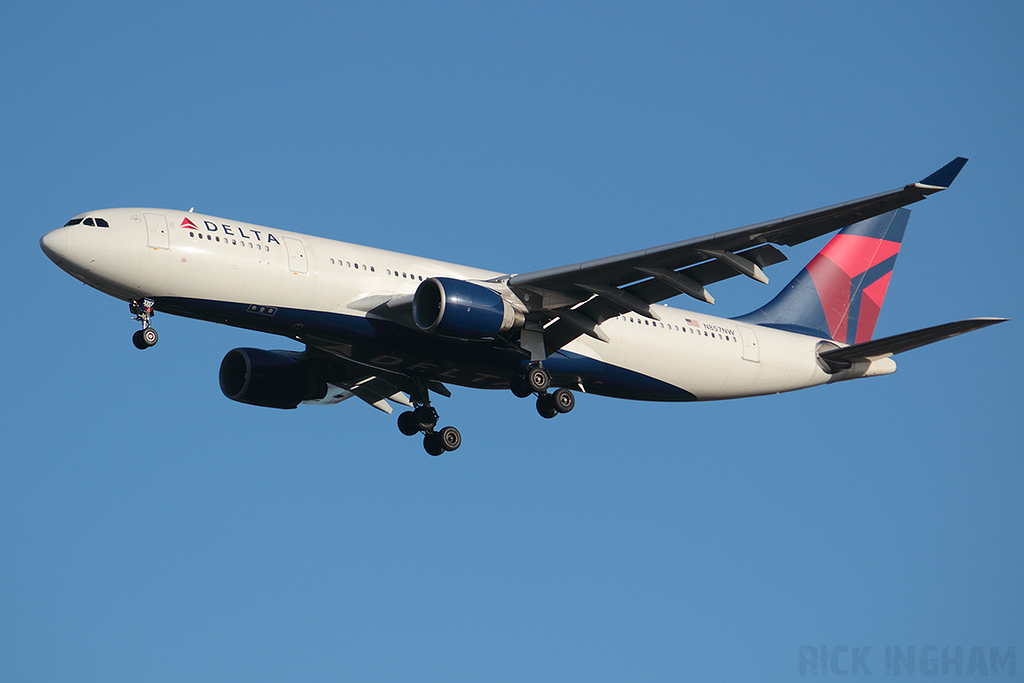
x,y
196,261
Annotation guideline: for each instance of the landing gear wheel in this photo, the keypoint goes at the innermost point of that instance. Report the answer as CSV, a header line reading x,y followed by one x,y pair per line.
x,y
450,438
143,339
150,336
538,379
407,423
519,386
425,417
432,443
564,400
546,406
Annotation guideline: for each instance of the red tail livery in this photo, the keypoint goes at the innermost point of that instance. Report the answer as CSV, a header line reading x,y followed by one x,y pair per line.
x,y
840,293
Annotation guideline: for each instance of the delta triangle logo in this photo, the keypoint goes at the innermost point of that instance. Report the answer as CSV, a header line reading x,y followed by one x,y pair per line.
x,y
187,223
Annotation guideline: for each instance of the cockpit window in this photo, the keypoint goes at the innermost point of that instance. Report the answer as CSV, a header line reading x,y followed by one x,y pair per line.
x,y
91,221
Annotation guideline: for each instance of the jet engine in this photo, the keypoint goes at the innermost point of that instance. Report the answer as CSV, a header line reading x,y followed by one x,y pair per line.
x,y
457,308
272,379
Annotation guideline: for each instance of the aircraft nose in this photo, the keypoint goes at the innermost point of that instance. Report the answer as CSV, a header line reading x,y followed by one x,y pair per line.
x,y
55,244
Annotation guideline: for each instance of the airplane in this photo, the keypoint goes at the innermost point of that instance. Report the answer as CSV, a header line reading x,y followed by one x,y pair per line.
x,y
392,328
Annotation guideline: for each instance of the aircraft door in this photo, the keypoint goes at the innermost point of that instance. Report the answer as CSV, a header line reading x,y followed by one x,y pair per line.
x,y
296,255
158,235
750,348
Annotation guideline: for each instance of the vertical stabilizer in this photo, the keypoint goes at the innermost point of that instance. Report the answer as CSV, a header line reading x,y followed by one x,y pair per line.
x,y
840,293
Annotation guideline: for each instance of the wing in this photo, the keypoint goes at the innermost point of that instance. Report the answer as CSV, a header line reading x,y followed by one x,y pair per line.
x,y
842,358
577,298
373,385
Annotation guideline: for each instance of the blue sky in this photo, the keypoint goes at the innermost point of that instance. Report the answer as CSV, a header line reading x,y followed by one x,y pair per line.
x,y
150,529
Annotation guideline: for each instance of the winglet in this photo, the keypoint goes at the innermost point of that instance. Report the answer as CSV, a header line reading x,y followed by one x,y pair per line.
x,y
945,176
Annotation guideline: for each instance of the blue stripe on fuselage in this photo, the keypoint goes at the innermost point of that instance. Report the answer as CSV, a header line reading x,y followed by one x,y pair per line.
x,y
606,379
485,364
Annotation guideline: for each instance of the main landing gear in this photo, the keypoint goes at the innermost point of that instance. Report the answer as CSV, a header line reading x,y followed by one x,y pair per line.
x,y
536,380
143,311
423,418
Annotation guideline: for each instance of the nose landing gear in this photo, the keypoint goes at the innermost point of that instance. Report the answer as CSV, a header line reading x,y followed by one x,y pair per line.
x,y
143,311
536,380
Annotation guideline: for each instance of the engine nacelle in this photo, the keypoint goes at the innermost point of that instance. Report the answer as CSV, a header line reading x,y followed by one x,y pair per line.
x,y
457,308
272,379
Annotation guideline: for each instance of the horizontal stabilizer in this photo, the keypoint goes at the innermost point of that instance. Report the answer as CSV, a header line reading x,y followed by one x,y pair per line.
x,y
840,359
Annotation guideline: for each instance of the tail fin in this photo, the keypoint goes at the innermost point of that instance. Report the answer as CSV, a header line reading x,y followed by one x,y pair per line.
x,y
840,292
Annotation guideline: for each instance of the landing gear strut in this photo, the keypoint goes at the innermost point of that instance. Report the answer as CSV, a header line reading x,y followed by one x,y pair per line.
x,y
536,380
423,418
143,311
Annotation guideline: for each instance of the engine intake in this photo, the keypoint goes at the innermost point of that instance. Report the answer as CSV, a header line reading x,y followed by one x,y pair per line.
x,y
457,308
271,379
